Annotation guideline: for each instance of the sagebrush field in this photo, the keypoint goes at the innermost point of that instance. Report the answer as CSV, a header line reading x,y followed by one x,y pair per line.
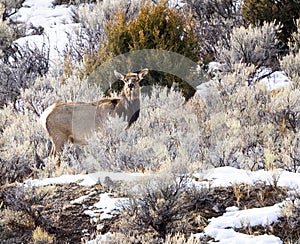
x,y
239,111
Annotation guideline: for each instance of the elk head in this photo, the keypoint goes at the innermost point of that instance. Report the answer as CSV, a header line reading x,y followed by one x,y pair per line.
x,y
131,83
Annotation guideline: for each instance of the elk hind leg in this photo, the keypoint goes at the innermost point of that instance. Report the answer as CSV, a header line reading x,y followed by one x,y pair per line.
x,y
57,146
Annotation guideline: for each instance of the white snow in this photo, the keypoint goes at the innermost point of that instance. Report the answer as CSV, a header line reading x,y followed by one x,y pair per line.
x,y
273,80
243,218
106,208
79,200
222,228
90,213
229,236
227,176
107,205
85,180
215,67
57,21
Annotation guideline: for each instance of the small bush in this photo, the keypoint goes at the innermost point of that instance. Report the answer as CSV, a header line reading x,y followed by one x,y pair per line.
x,y
40,236
20,68
23,143
9,8
291,66
8,31
215,20
294,40
286,148
93,19
156,27
252,45
162,204
7,36
16,219
10,82
284,13
23,213
288,227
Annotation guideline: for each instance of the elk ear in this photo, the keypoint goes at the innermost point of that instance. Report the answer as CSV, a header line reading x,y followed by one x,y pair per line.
x,y
119,76
143,73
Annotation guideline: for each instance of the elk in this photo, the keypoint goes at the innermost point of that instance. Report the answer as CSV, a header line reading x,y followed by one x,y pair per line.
x,y
76,121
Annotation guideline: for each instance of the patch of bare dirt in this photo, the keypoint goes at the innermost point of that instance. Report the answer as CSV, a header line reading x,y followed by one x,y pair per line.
x,y
51,208
52,211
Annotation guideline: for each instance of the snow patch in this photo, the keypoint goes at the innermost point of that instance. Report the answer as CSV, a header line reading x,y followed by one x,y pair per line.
x,y
228,176
85,180
56,22
273,80
79,200
222,228
107,207
243,218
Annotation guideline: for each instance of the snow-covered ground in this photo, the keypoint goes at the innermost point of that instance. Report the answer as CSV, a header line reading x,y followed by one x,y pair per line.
x,y
220,228
86,180
273,80
228,176
56,21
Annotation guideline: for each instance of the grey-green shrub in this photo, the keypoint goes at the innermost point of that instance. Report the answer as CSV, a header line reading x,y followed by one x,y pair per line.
x,y
93,19
161,204
248,127
215,20
19,68
22,143
251,45
291,66
166,132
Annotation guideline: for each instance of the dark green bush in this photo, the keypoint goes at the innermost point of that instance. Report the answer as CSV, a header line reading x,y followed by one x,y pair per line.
x,y
155,27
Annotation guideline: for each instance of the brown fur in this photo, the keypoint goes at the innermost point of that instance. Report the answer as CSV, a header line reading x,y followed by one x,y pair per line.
x,y
76,121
